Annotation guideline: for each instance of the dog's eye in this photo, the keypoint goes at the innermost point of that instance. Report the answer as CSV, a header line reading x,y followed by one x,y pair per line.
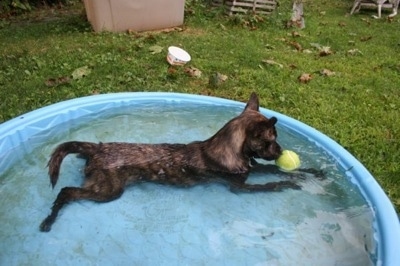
x,y
270,134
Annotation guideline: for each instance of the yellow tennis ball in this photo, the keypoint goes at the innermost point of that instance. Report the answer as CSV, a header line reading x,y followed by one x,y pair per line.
x,y
288,160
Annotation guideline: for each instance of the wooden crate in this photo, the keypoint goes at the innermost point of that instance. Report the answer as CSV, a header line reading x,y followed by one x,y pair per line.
x,y
247,6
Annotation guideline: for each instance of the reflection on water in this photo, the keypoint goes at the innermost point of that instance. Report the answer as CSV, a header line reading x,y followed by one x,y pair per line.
x,y
326,223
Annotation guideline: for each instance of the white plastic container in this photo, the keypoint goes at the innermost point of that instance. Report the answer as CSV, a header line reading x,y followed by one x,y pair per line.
x,y
177,56
136,15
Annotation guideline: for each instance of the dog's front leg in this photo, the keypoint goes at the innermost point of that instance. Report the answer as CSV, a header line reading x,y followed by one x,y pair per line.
x,y
300,173
267,187
319,174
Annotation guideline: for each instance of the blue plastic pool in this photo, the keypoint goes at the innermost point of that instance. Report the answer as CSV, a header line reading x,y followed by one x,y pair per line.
x,y
344,220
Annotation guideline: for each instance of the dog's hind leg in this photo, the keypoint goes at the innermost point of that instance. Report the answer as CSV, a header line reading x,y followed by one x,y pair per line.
x,y
101,192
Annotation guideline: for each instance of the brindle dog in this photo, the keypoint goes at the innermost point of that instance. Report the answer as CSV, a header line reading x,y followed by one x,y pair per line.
x,y
227,156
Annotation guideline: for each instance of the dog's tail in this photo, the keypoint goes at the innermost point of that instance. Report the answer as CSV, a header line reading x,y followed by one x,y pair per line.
x,y
87,149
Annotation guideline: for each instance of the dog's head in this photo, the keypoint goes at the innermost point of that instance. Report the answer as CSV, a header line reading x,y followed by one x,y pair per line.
x,y
260,140
249,135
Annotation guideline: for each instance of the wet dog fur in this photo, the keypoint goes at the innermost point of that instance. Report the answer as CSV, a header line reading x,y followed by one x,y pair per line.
x,y
226,157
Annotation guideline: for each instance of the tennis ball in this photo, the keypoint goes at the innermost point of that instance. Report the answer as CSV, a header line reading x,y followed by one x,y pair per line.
x,y
288,161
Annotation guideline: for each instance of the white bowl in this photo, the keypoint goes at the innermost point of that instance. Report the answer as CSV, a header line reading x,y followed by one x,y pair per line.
x,y
177,56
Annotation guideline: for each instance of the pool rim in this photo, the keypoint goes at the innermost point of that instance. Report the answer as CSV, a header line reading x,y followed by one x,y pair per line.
x,y
13,132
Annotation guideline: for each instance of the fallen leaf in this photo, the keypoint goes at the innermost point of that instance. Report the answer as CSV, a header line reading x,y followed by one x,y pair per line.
x,y
366,21
325,50
269,46
193,72
130,31
316,45
222,77
327,72
155,49
365,38
272,62
295,34
81,72
296,45
217,79
354,52
172,70
305,78
168,30
52,82
307,51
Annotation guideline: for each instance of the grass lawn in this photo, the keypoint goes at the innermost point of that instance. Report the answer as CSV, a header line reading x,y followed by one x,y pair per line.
x,y
353,96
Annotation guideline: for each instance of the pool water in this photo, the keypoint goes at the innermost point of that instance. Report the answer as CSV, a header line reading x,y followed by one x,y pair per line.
x,y
328,222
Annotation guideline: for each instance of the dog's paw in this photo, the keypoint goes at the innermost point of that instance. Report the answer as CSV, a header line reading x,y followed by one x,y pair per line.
x,y
310,172
320,175
45,226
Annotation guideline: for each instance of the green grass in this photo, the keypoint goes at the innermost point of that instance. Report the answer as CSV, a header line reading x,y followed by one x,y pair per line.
x,y
358,106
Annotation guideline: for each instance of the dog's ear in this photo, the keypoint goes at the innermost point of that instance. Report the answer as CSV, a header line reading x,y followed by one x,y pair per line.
x,y
272,121
253,103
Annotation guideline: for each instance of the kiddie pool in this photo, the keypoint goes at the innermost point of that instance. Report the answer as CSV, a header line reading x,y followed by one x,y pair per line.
x,y
150,233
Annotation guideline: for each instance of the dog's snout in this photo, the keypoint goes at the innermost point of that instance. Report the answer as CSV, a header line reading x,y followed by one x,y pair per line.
x,y
275,147
271,152
275,150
